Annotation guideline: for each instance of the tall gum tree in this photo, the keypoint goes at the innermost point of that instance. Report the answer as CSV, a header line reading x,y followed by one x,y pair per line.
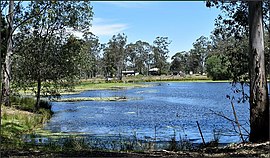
x,y
259,100
7,64
249,18
160,52
3,27
17,16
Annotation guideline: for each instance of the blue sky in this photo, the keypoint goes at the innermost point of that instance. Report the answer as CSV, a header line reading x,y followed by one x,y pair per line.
x,y
182,22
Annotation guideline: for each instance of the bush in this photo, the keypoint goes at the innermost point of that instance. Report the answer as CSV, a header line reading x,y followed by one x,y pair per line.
x,y
28,103
217,68
23,103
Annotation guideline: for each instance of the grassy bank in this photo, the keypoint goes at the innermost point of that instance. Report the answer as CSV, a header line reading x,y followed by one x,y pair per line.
x,y
20,119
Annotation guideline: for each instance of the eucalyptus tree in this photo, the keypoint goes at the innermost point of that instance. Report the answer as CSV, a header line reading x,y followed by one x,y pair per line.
x,y
160,53
233,22
114,56
248,18
179,62
2,49
138,54
7,64
44,34
17,15
259,99
130,56
89,55
193,61
267,53
201,48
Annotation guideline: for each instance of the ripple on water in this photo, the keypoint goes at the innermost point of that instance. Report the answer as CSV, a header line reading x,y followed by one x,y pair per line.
x,y
164,111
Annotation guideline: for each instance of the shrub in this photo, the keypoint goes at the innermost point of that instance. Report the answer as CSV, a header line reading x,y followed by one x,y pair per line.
x,y
28,103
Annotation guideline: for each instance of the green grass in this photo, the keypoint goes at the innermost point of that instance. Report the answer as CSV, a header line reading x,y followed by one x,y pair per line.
x,y
17,122
20,119
28,103
91,85
99,86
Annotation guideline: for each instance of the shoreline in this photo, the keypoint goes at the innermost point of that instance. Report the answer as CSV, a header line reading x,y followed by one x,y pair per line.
x,y
131,84
101,84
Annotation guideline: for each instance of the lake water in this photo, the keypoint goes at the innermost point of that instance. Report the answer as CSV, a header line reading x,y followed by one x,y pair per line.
x,y
161,111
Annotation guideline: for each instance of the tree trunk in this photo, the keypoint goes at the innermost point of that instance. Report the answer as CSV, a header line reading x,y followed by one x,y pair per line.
x,y
259,101
0,79
38,93
7,65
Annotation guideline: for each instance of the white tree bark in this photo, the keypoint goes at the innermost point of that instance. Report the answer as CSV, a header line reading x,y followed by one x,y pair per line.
x,y
8,60
259,100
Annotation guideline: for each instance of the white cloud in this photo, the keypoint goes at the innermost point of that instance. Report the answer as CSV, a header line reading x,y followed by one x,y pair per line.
x,y
103,27
108,29
100,20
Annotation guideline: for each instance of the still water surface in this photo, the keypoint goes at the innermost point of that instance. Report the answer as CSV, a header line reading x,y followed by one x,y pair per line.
x,y
161,110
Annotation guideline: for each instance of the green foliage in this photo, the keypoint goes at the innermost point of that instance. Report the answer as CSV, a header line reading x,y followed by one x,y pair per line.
x,y
230,36
89,62
193,60
114,56
160,54
28,104
24,103
46,52
199,53
138,57
17,122
179,62
217,68
75,144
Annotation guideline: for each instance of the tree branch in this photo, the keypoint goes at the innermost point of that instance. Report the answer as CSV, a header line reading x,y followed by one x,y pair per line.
x,y
227,118
30,17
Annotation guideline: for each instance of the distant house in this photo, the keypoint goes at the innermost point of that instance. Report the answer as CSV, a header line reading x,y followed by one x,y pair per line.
x,y
129,73
154,71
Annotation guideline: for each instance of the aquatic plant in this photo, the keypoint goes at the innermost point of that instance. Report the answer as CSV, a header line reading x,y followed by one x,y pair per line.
x,y
75,143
